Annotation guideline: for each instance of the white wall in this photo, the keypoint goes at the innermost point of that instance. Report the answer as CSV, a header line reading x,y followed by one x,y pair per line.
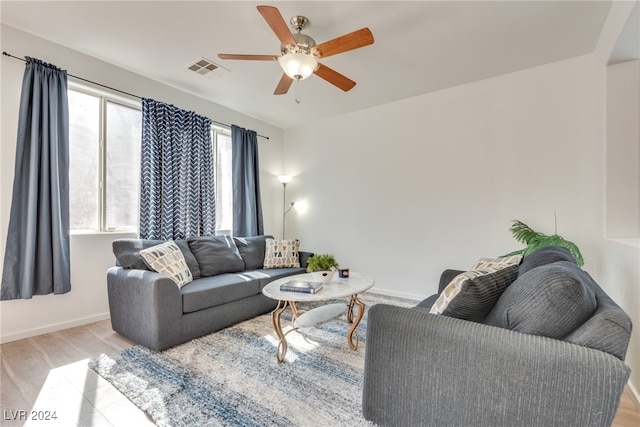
x,y
404,190
620,257
91,254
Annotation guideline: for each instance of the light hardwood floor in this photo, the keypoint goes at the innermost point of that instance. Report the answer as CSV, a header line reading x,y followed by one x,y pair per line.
x,y
48,374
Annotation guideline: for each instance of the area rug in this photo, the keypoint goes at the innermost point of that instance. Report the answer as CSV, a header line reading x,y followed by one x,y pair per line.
x,y
232,378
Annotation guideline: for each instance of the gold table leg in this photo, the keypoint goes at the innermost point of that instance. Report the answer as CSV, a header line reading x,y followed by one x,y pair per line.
x,y
352,336
275,319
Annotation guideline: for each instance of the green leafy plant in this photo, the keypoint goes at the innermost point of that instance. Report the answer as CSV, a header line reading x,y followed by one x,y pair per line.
x,y
536,240
321,262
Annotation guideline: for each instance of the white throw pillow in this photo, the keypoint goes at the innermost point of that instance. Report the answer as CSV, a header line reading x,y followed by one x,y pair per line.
x,y
282,254
166,258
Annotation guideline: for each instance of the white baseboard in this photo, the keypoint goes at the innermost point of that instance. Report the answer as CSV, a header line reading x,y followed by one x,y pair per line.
x,y
52,328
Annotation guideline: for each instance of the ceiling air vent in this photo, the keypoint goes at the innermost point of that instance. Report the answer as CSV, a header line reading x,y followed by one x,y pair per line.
x,y
204,66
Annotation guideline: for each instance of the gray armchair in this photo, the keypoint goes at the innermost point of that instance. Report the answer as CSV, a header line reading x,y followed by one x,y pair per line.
x,y
424,369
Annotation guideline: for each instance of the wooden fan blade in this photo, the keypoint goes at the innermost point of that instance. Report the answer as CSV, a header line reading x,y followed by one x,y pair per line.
x,y
283,85
248,57
334,77
354,40
277,24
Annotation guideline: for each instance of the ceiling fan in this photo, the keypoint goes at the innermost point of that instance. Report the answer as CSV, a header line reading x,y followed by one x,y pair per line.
x,y
300,53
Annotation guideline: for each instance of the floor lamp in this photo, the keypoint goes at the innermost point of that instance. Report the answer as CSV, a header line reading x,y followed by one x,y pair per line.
x,y
284,179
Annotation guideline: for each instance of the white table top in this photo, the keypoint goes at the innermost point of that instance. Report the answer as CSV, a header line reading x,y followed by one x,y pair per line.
x,y
356,283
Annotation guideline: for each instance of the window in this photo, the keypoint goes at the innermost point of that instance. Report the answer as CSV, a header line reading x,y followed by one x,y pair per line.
x,y
104,179
224,194
104,161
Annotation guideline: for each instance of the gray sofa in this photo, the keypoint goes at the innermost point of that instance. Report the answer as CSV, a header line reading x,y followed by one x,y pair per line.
x,y
150,309
518,364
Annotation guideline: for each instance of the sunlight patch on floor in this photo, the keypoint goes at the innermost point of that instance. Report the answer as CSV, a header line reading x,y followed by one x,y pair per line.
x,y
297,343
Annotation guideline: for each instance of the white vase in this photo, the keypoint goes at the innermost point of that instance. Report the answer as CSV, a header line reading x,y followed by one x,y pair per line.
x,y
322,276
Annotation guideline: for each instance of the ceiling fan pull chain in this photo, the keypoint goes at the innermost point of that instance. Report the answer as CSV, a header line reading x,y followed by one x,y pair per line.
x,y
296,94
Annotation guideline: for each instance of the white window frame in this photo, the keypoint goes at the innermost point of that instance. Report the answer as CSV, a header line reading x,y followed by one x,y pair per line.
x,y
215,130
105,97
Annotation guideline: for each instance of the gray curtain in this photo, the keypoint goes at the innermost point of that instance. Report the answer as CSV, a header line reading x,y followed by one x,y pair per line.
x,y
177,190
247,206
36,258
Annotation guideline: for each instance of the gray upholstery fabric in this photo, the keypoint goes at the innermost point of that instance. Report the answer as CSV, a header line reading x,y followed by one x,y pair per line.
x,y
252,250
216,290
423,369
147,307
191,260
127,252
545,255
551,300
427,303
216,255
477,296
445,278
609,329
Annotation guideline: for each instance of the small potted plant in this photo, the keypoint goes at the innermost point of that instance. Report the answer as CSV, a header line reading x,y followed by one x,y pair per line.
x,y
322,267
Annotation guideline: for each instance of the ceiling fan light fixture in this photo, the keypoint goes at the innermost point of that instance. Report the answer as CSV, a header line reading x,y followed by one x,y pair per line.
x,y
297,65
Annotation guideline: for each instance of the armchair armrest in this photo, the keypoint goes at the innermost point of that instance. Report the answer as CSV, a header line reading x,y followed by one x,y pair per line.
x,y
145,307
432,370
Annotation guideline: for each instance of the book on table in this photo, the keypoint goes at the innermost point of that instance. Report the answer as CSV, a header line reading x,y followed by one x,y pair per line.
x,y
301,286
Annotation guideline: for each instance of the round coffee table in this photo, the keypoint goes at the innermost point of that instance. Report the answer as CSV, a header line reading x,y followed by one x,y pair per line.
x,y
336,289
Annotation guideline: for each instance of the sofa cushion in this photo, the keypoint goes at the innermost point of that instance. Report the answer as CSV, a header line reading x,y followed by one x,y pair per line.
x,y
216,255
427,303
282,254
545,255
127,252
216,290
252,250
551,300
265,276
166,258
471,295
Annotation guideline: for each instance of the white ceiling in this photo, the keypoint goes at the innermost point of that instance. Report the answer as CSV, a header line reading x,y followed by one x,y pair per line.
x,y
420,46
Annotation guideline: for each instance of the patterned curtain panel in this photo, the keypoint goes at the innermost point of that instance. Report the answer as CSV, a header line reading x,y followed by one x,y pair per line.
x,y
245,171
177,191
36,259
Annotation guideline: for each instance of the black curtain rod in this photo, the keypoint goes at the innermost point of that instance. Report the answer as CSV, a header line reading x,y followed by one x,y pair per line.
x,y
117,90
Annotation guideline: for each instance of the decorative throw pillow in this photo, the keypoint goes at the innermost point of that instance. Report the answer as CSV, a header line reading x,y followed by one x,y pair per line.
x,y
166,258
127,252
471,295
282,254
551,300
216,255
252,250
496,263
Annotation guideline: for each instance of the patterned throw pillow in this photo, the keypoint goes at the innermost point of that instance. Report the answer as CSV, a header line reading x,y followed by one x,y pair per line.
x,y
166,258
496,263
471,295
282,254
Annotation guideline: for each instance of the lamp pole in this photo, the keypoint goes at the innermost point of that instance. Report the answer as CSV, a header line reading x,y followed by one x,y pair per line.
x,y
284,207
284,179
